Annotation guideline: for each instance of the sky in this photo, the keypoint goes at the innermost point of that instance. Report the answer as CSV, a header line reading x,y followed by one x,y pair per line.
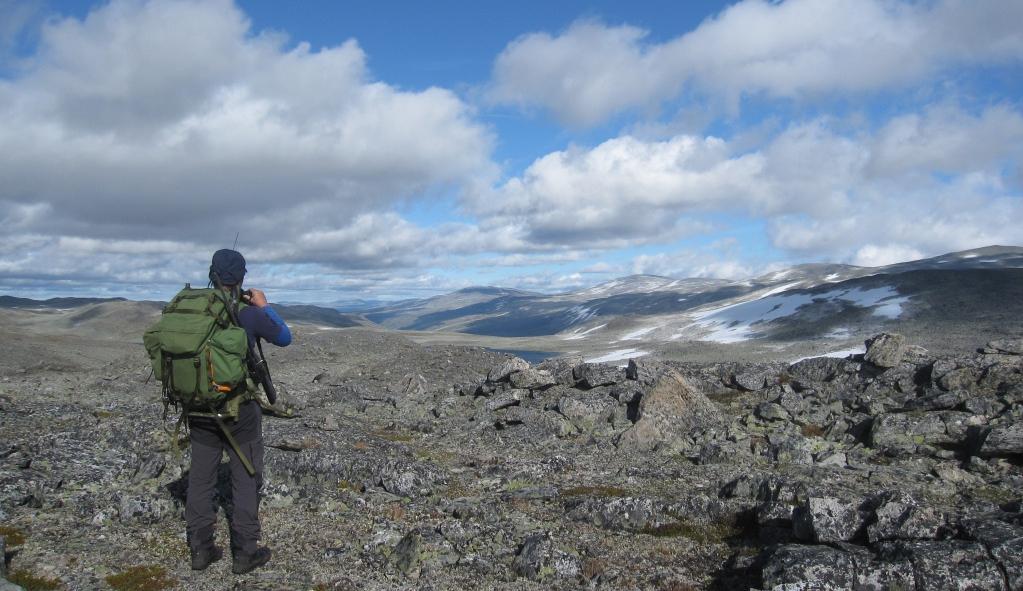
x,y
387,150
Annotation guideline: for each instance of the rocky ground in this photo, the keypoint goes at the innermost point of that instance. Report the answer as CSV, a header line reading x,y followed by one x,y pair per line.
x,y
406,466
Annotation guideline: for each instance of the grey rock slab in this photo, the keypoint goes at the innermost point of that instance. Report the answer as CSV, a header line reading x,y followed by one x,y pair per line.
x,y
797,567
899,516
903,432
594,375
772,411
506,399
885,350
1003,440
623,513
532,379
829,519
817,369
407,554
751,381
952,565
1009,346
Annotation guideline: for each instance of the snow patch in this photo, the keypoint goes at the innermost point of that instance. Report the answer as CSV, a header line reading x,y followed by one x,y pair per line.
x,y
735,322
578,335
618,355
839,354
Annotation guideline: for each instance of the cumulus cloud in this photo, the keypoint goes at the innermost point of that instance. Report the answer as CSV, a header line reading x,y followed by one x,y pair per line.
x,y
126,127
861,197
794,49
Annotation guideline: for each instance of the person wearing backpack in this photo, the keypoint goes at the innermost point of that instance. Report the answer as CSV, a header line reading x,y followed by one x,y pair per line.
x,y
209,378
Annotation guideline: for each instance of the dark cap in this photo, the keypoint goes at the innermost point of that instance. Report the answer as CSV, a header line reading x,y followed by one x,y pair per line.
x,y
229,266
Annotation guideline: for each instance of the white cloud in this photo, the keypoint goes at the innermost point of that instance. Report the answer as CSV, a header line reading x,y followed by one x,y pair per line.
x,y
824,194
794,49
126,127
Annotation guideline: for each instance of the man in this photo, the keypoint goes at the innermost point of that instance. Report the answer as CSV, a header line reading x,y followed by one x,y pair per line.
x,y
260,321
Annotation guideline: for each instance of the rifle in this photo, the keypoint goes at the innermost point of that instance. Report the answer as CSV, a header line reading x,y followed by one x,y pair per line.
x,y
254,358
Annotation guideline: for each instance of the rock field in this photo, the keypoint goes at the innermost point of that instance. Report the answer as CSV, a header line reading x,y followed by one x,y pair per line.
x,y
405,466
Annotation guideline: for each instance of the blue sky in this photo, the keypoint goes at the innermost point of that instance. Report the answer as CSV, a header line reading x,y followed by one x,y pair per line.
x,y
383,150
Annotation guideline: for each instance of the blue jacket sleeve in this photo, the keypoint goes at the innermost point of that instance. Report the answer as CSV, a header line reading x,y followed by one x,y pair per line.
x,y
266,324
284,335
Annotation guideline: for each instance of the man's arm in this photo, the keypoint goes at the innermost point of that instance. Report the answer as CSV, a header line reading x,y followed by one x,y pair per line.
x,y
261,321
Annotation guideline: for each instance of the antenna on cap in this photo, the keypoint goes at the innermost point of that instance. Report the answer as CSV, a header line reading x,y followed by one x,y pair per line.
x,y
235,245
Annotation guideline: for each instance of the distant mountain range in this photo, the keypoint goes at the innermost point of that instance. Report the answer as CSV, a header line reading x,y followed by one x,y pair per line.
x,y
979,290
308,314
799,302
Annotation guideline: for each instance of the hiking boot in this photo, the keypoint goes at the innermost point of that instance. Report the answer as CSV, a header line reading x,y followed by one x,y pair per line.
x,y
205,556
244,563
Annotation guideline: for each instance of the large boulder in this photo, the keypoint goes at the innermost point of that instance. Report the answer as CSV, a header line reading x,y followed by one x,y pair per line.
x,y
794,567
829,519
671,410
948,566
500,373
885,350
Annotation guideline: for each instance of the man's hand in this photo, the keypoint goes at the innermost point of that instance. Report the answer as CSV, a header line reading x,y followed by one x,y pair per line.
x,y
257,298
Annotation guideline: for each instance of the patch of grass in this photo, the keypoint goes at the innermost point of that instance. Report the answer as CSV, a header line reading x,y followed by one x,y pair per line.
x,y
593,568
809,430
595,491
13,536
349,485
714,533
516,484
360,445
33,582
142,578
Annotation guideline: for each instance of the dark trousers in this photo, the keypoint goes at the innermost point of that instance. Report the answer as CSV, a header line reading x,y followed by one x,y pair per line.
x,y
200,514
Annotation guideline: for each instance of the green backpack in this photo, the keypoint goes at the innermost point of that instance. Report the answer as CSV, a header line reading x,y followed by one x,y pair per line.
x,y
198,352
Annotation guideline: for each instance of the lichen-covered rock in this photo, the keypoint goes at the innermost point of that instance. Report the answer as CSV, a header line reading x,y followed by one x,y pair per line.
x,y
1007,346
1003,540
900,517
795,567
1004,440
772,411
532,379
817,369
904,432
950,565
671,410
588,413
885,350
751,381
622,513
539,559
829,519
501,372
595,375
